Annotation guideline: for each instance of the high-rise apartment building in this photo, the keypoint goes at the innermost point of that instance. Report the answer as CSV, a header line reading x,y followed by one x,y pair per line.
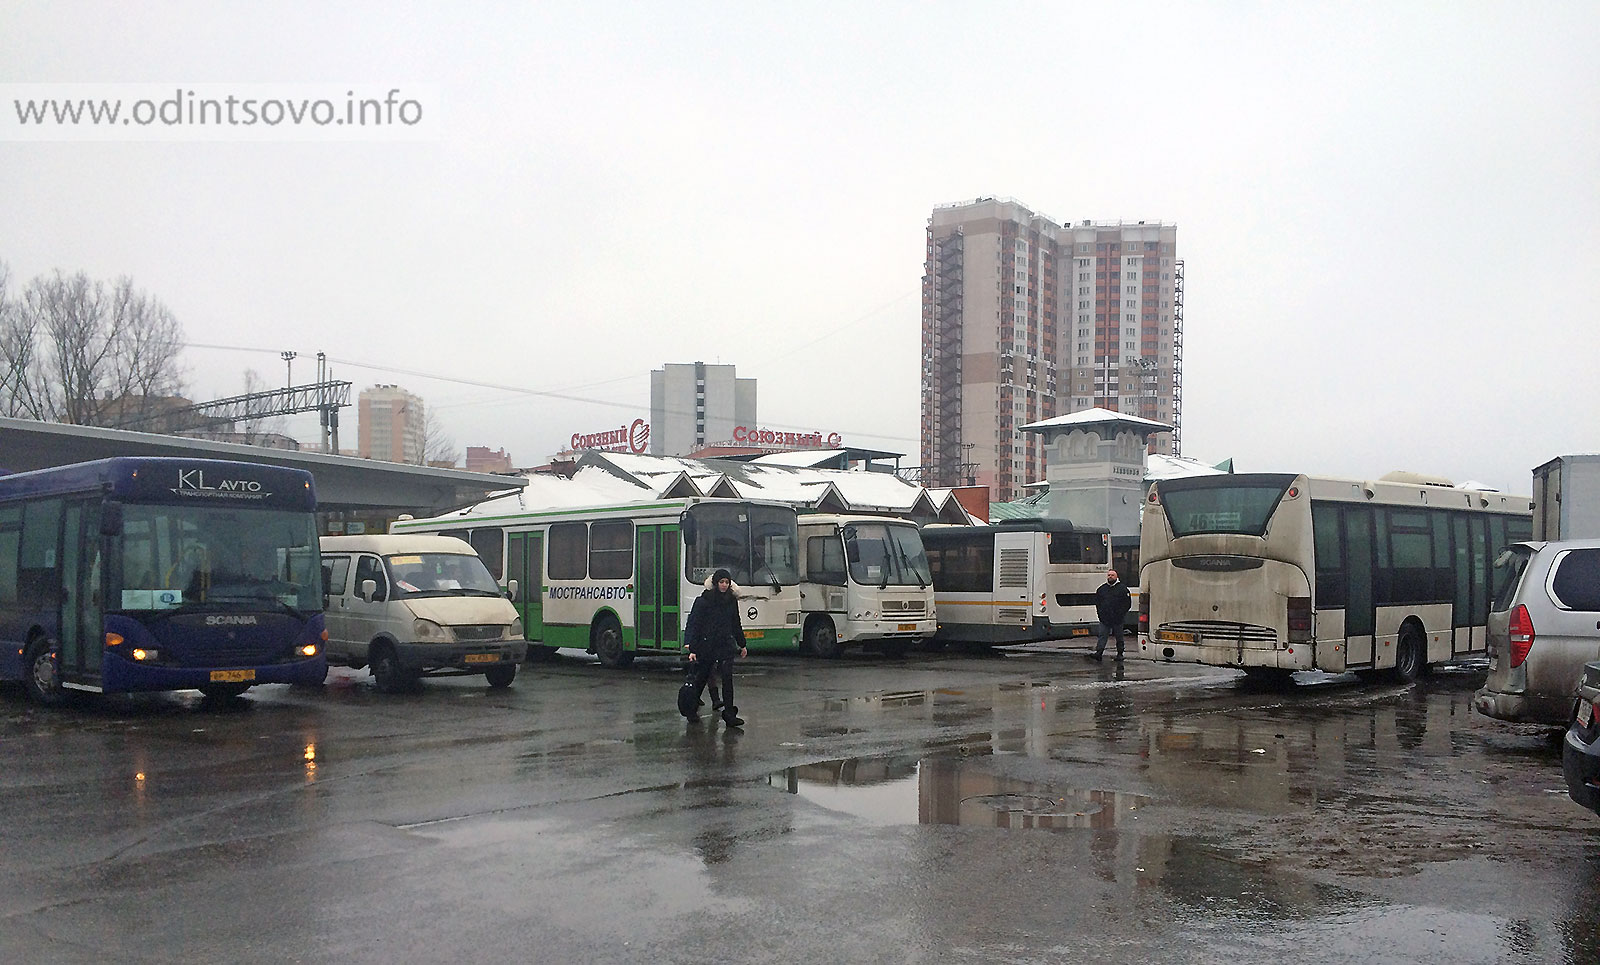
x,y
1024,319
693,405
390,424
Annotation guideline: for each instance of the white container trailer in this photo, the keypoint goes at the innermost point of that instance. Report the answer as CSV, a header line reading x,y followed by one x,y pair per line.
x,y
1566,498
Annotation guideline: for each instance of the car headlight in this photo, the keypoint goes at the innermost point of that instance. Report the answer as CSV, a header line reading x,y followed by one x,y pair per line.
x,y
426,631
516,629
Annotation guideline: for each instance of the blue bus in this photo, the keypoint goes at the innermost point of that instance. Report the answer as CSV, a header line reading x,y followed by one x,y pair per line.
x,y
137,574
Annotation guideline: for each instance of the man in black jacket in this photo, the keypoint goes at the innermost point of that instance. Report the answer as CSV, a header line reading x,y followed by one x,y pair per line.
x,y
715,637
1111,604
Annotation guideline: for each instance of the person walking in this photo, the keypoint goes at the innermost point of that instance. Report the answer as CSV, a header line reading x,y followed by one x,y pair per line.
x,y
715,637
1111,604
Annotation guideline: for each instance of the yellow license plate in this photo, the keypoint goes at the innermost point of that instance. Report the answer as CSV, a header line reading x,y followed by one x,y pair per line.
x,y
754,634
232,676
1080,631
482,658
1178,636
908,626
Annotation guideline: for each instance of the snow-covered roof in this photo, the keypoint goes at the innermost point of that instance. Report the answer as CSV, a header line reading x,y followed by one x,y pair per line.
x,y
1095,417
1158,466
609,479
804,458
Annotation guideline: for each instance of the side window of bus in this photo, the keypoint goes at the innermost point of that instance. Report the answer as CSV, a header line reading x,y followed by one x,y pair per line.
x,y
335,572
37,582
371,568
825,560
1411,556
569,551
611,550
10,541
490,544
1329,554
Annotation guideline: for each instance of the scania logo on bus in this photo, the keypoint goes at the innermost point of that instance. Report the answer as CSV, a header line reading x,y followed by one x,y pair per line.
x,y
232,621
1216,564
786,440
192,482
629,438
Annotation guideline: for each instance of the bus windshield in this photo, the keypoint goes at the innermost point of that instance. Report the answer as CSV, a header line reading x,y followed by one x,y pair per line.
x,y
756,544
884,555
187,555
1221,504
439,574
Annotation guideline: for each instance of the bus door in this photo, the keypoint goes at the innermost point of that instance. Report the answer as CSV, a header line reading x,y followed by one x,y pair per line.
x,y
525,564
658,586
1013,579
81,631
1359,616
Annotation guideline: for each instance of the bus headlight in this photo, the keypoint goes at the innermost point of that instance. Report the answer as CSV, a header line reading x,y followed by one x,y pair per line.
x,y
309,650
426,631
139,653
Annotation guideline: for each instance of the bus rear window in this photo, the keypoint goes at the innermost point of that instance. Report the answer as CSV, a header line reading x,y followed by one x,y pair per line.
x,y
1201,506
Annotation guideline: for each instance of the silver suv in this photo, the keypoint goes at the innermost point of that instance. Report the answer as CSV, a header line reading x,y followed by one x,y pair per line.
x,y
1544,625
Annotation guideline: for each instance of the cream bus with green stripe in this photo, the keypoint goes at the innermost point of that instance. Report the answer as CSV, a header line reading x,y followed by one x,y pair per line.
x,y
618,581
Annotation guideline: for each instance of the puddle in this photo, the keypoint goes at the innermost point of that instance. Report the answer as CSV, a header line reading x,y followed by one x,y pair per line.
x,y
952,791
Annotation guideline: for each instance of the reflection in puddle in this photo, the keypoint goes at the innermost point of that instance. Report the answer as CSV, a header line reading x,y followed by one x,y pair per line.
x,y
950,790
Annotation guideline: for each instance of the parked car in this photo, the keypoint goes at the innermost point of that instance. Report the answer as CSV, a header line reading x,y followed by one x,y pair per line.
x,y
1580,753
1544,625
413,605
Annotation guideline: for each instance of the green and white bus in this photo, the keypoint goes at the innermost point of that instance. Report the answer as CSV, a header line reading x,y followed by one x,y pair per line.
x,y
1278,572
617,581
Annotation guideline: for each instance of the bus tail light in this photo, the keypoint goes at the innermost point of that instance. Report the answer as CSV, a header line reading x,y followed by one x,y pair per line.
x,y
1521,635
1299,619
1144,612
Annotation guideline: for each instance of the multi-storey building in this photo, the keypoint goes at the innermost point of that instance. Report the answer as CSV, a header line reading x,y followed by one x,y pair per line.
x,y
694,404
390,424
1024,319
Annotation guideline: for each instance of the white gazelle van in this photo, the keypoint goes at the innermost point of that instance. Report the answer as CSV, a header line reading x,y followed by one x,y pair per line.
x,y
412,605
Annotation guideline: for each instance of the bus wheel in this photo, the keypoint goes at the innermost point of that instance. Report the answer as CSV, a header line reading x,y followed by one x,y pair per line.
x,y
224,691
1408,657
501,676
40,679
608,643
386,670
821,640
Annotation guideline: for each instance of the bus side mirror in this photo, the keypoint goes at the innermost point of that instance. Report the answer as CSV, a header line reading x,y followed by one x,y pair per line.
x,y
369,589
511,590
690,531
111,519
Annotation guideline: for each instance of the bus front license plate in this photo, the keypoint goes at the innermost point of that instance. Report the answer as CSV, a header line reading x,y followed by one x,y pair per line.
x,y
1178,636
754,634
232,676
907,627
483,658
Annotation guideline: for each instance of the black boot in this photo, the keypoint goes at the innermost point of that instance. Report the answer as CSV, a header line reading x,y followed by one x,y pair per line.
x,y
730,716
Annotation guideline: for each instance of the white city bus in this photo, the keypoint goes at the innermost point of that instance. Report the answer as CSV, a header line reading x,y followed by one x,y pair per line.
x,y
1274,573
618,580
864,580
1016,580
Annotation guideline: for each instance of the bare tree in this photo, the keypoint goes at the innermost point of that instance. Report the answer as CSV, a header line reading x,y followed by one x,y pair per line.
x,y
71,351
438,446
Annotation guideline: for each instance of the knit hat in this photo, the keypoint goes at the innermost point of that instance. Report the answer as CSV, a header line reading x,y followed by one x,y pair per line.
x,y
721,575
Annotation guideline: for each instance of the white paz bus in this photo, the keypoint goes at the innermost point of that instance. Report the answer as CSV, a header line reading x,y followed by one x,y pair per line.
x,y
1274,573
865,580
617,581
1015,581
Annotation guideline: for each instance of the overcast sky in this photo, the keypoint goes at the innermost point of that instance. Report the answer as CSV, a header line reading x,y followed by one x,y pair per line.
x,y
1388,213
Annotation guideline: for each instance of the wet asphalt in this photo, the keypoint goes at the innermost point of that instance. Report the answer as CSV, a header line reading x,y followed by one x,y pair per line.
x,y
1031,806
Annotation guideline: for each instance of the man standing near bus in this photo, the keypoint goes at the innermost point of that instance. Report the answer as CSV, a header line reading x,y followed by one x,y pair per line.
x,y
1111,603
